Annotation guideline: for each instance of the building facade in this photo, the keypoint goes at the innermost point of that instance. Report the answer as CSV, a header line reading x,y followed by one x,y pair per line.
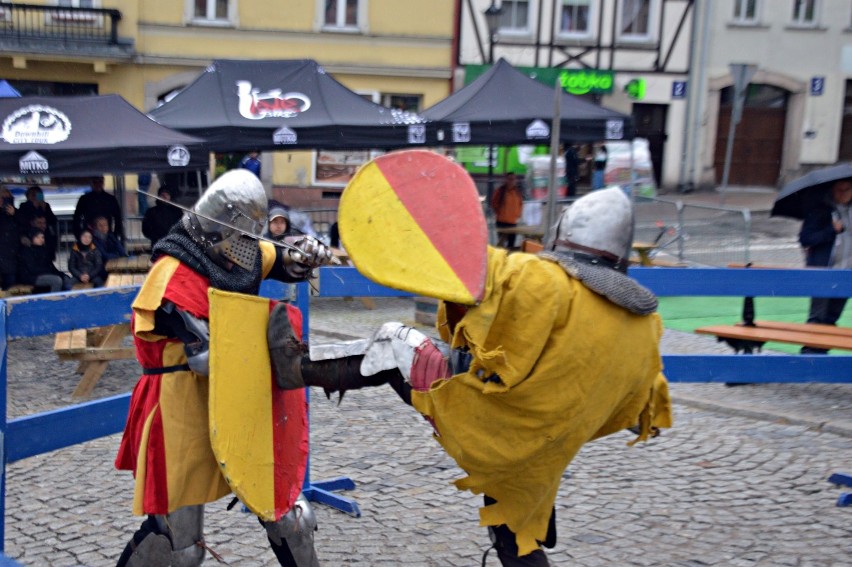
x,y
397,53
644,46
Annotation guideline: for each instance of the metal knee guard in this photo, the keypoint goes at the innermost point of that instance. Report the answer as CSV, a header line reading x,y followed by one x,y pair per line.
x,y
296,528
176,544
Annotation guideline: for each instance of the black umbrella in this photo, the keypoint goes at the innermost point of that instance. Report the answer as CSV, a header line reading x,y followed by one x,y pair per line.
x,y
800,195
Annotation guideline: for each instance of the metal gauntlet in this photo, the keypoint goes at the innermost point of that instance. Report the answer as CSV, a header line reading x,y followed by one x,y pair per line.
x,y
307,254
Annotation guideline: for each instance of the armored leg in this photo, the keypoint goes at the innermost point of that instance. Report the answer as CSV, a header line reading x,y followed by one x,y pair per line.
x,y
292,537
503,540
171,540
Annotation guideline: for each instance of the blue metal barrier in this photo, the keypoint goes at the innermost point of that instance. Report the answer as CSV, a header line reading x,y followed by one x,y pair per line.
x,y
50,313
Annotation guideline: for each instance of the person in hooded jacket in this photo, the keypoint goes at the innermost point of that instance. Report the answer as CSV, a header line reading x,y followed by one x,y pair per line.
x,y
35,267
85,262
9,240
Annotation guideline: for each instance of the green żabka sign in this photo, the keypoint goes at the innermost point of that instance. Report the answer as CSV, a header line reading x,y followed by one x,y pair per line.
x,y
585,81
574,81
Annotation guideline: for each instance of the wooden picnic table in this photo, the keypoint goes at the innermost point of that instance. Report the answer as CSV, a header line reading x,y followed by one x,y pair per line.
x,y
94,348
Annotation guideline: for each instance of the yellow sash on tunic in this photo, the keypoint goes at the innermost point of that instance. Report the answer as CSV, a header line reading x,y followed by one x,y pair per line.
x,y
573,367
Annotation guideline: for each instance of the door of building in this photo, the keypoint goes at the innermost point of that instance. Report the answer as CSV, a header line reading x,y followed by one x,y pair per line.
x,y
758,140
650,121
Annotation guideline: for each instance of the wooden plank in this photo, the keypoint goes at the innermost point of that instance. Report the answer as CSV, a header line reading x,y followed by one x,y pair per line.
x,y
115,335
806,328
816,340
70,342
99,353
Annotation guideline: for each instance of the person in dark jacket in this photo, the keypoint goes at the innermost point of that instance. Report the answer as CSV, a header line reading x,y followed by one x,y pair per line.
x,y
107,243
9,240
35,267
98,203
85,262
827,241
35,206
160,218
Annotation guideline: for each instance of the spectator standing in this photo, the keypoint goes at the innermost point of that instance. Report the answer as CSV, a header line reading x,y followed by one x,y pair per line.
x,y
598,167
9,240
508,204
251,162
35,267
85,262
36,206
160,218
279,224
98,203
572,169
826,236
143,183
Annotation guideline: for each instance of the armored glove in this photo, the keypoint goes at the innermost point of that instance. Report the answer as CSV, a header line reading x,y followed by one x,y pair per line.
x,y
307,254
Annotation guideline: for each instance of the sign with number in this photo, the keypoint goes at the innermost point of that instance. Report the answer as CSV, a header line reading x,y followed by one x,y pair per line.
x,y
817,86
679,89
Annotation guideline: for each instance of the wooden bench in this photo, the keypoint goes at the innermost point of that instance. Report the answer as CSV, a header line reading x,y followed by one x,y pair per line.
x,y
17,290
94,348
748,338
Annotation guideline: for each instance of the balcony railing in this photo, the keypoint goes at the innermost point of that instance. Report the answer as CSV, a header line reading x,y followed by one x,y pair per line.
x,y
26,22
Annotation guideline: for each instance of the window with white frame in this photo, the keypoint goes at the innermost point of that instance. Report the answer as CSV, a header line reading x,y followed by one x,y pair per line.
x,y
72,16
212,11
636,20
575,18
746,11
805,13
515,17
341,14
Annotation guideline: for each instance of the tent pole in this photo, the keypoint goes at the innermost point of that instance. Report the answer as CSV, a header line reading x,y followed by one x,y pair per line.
x,y
550,214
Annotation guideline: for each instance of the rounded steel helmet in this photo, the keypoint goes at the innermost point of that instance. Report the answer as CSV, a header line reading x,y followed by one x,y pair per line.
x,y
238,199
598,228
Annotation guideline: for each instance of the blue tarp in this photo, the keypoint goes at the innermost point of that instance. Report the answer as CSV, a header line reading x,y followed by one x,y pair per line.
x,y
7,90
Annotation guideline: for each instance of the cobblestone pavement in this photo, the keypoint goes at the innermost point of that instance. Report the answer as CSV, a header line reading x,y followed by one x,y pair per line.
x,y
740,480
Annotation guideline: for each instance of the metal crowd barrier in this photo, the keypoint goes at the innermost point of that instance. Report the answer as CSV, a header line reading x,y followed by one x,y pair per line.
x,y
40,433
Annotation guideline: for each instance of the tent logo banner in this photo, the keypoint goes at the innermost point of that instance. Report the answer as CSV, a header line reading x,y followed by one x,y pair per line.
x,y
256,105
461,132
615,129
33,163
178,156
417,134
284,136
36,124
538,129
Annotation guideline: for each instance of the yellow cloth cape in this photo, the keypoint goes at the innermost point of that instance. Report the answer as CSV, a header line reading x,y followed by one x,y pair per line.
x,y
573,367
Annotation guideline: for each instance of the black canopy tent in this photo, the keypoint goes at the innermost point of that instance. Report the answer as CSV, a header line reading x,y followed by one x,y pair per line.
x,y
505,107
245,105
82,136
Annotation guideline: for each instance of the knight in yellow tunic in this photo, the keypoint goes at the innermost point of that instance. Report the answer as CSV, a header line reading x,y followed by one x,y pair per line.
x,y
562,349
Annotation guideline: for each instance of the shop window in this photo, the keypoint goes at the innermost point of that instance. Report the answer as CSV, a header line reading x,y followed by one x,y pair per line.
x,y
637,20
805,13
575,18
746,12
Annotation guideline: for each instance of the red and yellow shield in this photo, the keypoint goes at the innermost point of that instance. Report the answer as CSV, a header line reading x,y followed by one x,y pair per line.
x,y
259,433
412,220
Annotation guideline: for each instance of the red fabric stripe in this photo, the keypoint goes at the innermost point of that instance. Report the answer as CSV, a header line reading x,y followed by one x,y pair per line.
x,y
424,183
289,434
188,290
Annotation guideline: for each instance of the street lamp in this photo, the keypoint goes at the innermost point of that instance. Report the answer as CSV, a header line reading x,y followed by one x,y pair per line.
x,y
492,20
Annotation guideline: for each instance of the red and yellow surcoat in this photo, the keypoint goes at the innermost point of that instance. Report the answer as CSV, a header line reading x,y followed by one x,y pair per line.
x,y
166,441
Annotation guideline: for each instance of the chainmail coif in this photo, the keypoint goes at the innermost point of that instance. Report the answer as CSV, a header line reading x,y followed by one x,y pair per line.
x,y
615,286
178,244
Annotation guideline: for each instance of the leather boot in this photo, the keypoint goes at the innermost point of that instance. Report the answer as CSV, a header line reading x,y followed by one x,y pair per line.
x,y
341,374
